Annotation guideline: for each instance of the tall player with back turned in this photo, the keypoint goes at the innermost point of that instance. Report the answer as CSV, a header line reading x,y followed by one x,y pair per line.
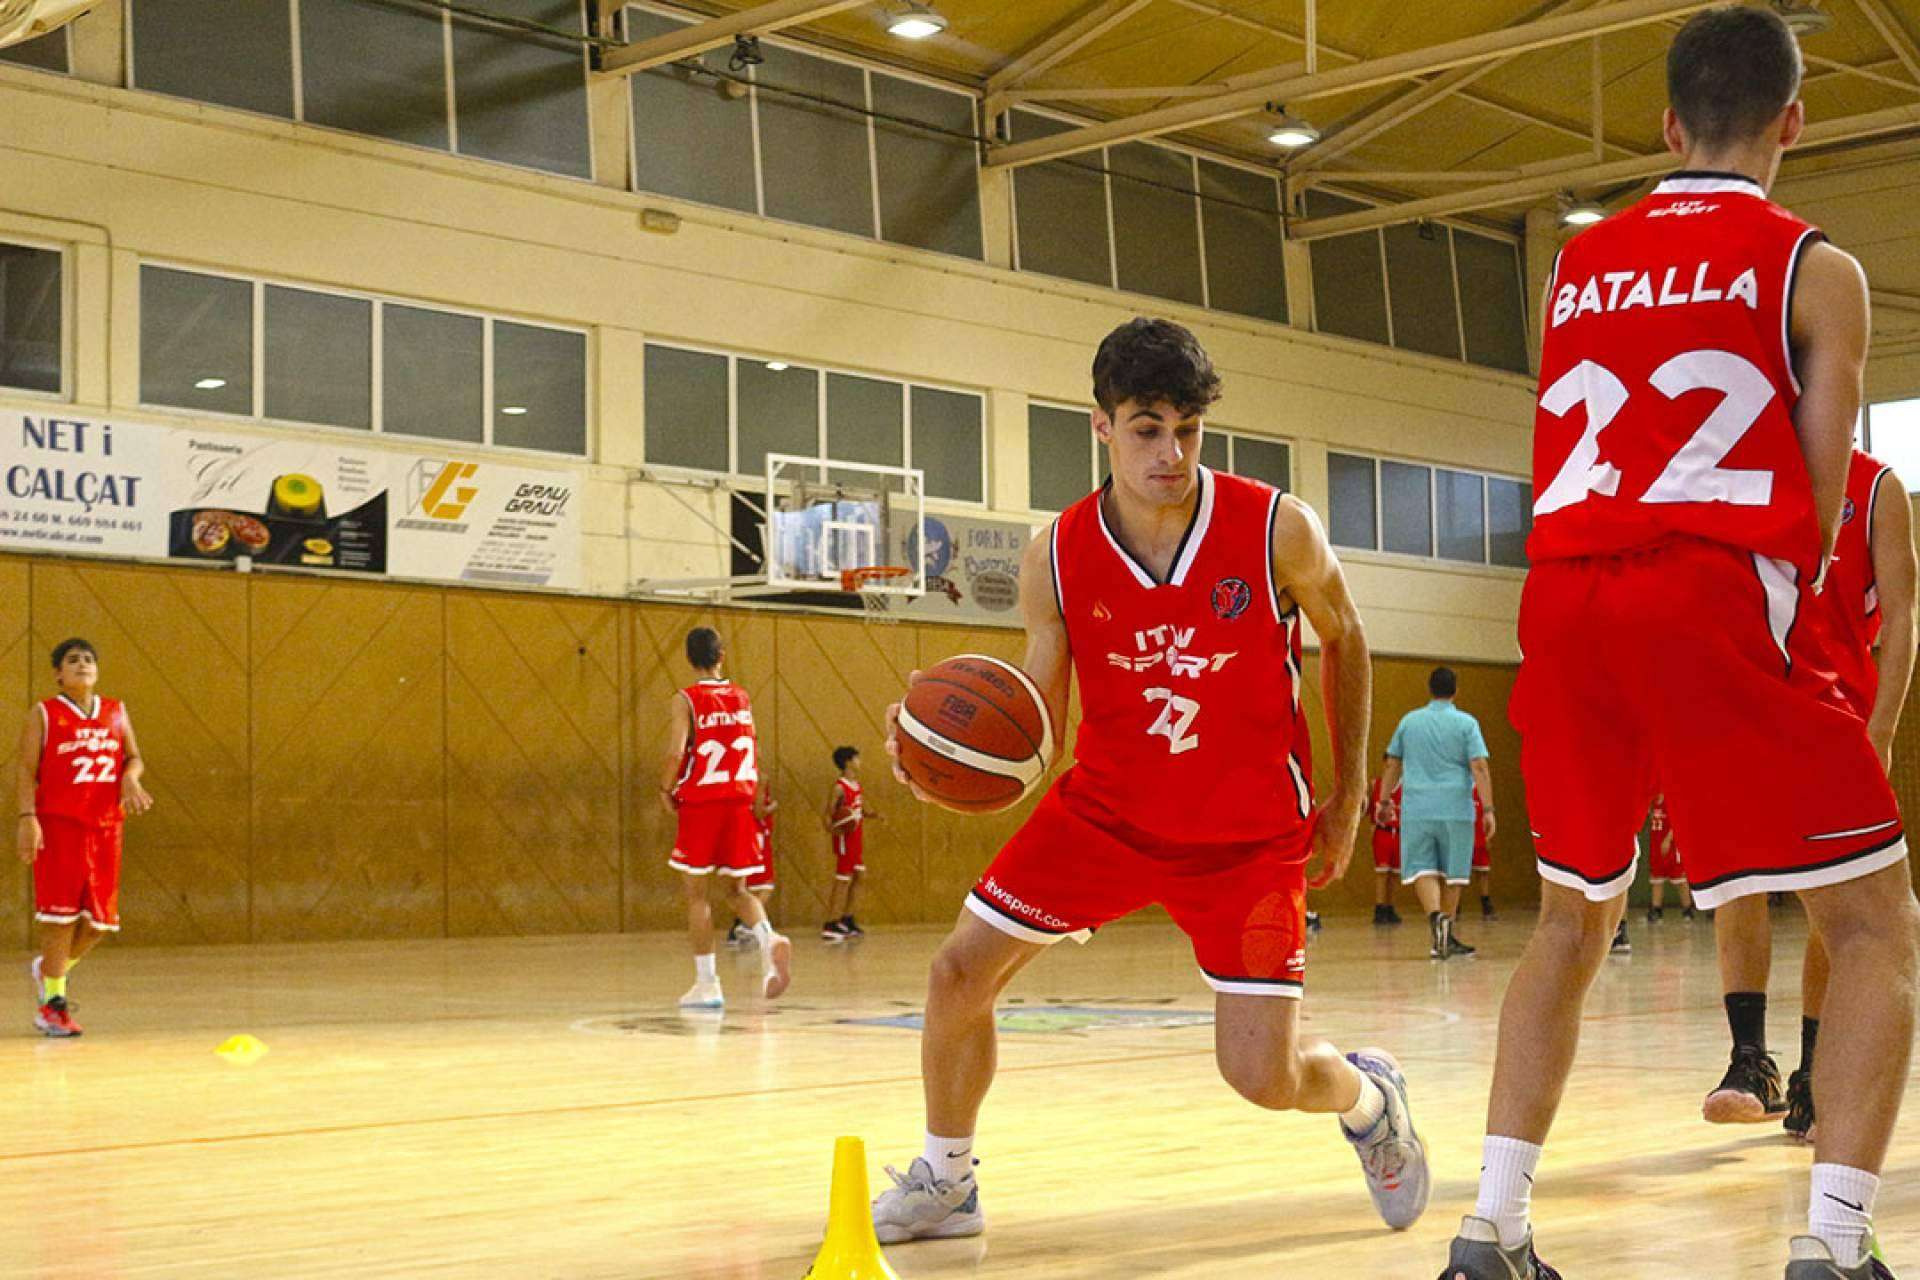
x,y
1175,595
1700,380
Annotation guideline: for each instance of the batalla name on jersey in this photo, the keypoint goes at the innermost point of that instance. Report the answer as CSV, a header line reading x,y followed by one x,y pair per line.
x,y
1579,298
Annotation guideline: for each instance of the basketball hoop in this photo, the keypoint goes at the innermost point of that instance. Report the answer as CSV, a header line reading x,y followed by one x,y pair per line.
x,y
863,581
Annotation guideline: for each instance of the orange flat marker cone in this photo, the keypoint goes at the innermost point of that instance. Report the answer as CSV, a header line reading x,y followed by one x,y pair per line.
x,y
850,1251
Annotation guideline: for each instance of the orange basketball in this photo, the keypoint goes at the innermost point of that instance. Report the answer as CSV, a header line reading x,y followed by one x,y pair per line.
x,y
975,734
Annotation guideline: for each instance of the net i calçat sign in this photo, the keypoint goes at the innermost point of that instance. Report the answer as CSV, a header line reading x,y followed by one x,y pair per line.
x,y
91,486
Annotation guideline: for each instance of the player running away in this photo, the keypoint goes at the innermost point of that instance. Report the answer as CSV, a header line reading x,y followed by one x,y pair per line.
x,y
1176,596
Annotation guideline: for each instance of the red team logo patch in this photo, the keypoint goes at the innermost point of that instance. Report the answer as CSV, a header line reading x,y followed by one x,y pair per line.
x,y
1231,596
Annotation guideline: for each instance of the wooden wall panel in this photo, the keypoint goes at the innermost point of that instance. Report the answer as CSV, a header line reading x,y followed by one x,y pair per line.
x,y
172,645
835,679
656,647
349,764
533,764
18,670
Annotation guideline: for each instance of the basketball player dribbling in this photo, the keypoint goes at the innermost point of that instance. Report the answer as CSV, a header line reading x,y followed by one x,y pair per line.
x,y
1176,595
708,779
1701,376
79,777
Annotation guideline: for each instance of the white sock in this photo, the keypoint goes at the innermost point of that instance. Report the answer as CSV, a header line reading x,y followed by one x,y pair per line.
x,y
764,932
1506,1186
703,968
951,1158
1840,1212
1367,1111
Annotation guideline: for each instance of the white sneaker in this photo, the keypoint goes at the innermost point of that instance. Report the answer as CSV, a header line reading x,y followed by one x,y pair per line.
x,y
39,986
704,995
1391,1153
778,958
920,1207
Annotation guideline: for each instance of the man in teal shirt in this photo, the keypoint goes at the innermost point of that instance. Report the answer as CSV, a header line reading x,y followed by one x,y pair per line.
x,y
1439,758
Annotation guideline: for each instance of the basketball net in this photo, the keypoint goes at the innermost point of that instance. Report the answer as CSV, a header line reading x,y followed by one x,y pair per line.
x,y
876,605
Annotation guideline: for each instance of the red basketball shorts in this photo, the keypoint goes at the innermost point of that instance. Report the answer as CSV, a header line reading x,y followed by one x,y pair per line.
x,y
77,875
1074,867
1665,866
719,838
1482,853
1691,661
849,852
763,878
1386,849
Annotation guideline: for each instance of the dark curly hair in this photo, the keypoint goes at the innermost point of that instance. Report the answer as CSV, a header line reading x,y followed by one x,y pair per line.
x,y
1730,71
1152,360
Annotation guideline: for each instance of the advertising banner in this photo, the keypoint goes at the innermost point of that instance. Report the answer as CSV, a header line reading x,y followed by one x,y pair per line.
x,y
973,570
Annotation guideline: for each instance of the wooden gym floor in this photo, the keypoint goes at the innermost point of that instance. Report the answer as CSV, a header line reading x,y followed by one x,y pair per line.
x,y
531,1108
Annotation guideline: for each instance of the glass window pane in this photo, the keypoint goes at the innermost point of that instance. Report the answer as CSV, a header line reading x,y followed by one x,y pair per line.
x,y
542,373
374,68
1492,301
813,141
1420,278
1350,501
434,373
690,140
237,54
1214,450
1406,508
1510,518
319,363
929,178
196,329
30,318
686,394
1349,287
48,53
1061,209
521,97
1156,227
1462,516
779,413
1267,460
1893,436
949,429
1241,212
1059,457
866,420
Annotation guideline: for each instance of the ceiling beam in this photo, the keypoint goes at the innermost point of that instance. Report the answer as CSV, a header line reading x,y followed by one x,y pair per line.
x,y
1091,93
1894,34
1828,133
1830,67
1361,75
1057,45
715,33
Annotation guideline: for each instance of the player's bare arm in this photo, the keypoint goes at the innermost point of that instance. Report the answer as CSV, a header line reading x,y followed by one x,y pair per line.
x,y
1483,787
1894,574
1383,814
1049,659
26,770
1830,327
134,799
679,730
763,803
1310,577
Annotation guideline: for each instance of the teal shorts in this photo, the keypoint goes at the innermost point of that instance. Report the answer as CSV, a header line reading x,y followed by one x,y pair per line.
x,y
1430,847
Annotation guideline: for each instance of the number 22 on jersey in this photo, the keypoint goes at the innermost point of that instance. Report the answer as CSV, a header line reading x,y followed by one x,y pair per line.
x,y
1175,722
715,755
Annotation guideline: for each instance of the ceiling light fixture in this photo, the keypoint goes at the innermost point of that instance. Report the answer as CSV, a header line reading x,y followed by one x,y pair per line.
x,y
778,366
209,384
916,21
1581,213
514,410
1290,131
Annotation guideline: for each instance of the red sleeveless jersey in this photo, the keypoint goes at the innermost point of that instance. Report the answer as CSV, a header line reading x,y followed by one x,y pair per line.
x,y
1850,601
849,804
81,761
1191,728
722,761
1667,382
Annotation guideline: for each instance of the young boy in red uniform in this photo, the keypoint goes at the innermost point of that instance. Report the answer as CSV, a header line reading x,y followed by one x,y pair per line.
x,y
1386,850
760,883
846,819
78,778
1663,863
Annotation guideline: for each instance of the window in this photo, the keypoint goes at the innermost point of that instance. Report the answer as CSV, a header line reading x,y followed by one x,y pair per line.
x,y
1267,460
1240,215
316,363
929,175
813,156
1156,226
1060,209
1493,304
47,53
1893,436
31,314
704,408
396,71
693,132
1426,315
1065,461
1432,512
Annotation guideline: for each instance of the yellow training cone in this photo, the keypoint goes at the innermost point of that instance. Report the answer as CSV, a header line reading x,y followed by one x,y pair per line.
x,y
850,1251
243,1049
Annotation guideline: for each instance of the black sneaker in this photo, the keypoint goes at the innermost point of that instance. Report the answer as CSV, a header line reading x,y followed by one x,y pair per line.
x,y
1799,1121
1455,947
851,928
1393,916
1442,937
1476,1255
1622,945
1486,910
737,936
1381,913
1686,913
1313,922
833,931
1655,914
1750,1091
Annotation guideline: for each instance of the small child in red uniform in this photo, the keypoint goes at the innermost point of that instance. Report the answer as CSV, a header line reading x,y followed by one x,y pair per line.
x,y
78,778
1483,859
1663,861
846,819
760,883
1386,850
